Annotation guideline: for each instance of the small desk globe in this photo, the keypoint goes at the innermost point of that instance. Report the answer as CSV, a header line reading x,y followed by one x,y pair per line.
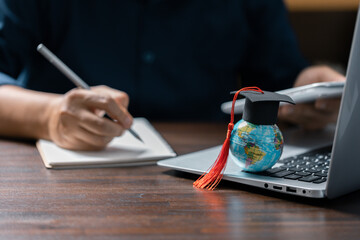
x,y
255,143
255,148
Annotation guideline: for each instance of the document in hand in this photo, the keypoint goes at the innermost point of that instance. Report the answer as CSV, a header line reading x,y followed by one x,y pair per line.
x,y
122,151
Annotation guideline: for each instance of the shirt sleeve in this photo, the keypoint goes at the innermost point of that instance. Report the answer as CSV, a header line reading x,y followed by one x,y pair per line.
x,y
273,59
18,39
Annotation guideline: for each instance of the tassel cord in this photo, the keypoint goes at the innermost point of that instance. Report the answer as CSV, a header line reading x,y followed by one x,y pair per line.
x,y
211,178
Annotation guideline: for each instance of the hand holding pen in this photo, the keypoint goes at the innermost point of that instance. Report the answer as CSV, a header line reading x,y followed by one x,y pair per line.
x,y
76,124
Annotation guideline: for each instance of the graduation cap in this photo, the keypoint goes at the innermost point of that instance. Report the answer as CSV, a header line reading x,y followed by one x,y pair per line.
x,y
261,108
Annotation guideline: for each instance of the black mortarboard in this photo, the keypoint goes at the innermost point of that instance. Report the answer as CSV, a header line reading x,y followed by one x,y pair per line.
x,y
262,108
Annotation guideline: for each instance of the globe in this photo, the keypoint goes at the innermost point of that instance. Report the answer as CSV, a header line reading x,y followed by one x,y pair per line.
x,y
255,148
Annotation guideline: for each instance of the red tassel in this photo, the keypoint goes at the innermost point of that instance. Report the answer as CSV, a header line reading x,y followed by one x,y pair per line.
x,y
211,179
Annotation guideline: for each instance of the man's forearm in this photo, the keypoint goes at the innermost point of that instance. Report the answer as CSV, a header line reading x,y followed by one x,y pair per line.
x,y
24,113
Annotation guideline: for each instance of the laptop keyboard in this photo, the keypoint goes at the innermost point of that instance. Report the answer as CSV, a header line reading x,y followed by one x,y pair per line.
x,y
308,167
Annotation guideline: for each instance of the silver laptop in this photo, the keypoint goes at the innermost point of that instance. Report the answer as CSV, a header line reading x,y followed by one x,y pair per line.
x,y
324,173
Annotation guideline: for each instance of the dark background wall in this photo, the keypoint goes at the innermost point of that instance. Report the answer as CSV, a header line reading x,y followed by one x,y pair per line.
x,y
324,36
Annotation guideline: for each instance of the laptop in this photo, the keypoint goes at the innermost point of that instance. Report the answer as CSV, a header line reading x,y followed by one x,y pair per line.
x,y
304,169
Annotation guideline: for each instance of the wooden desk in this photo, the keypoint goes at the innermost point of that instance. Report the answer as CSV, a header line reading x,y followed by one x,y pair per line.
x,y
156,203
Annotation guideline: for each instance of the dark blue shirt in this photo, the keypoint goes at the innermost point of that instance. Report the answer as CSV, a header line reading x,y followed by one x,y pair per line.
x,y
175,59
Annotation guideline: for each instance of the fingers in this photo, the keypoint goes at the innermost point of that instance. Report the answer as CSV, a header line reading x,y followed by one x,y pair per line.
x,y
318,114
91,100
75,123
120,97
90,141
79,138
99,125
307,116
318,74
115,111
328,105
83,134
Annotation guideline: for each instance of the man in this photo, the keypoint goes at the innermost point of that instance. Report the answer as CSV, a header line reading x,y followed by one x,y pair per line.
x,y
176,60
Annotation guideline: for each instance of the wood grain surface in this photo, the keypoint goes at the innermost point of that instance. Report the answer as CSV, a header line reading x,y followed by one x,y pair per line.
x,y
156,203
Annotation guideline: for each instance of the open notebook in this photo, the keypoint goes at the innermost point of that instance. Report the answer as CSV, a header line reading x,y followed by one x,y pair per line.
x,y
122,151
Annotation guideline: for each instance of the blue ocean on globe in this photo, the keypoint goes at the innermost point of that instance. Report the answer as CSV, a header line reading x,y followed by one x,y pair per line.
x,y
255,148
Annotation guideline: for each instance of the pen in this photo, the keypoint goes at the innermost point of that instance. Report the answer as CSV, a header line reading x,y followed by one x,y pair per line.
x,y
71,75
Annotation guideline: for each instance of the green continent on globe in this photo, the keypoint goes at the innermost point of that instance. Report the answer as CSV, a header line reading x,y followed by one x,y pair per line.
x,y
278,140
254,154
246,129
255,148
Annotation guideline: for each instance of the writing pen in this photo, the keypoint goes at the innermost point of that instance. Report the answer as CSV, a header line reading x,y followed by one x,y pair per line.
x,y
71,75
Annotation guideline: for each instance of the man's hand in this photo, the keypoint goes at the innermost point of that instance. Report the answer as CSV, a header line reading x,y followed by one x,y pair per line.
x,y
316,115
75,120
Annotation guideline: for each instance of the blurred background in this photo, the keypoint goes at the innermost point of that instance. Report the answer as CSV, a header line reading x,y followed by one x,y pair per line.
x,y
324,29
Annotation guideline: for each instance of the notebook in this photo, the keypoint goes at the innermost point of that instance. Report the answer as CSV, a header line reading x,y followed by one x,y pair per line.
x,y
122,151
327,172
